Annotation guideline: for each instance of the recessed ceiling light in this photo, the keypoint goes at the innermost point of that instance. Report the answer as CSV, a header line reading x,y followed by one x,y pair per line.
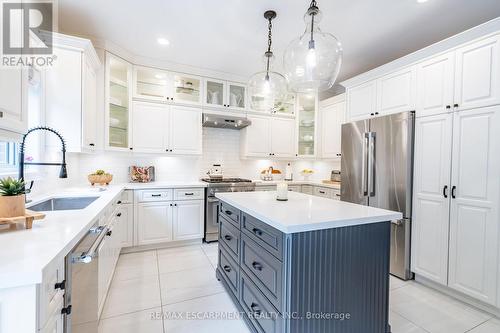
x,y
163,41
422,1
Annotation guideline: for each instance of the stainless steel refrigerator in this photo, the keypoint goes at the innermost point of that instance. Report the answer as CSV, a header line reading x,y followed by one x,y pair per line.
x,y
377,169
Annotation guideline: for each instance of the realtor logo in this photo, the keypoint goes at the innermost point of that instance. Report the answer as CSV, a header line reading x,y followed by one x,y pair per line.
x,y
27,33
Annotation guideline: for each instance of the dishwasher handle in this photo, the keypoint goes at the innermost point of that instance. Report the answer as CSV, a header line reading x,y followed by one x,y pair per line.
x,y
87,256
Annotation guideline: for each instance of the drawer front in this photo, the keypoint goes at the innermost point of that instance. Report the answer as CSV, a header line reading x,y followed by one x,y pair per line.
x,y
266,236
230,213
264,269
294,188
229,270
336,194
307,189
229,236
189,193
154,195
262,314
50,295
127,197
323,192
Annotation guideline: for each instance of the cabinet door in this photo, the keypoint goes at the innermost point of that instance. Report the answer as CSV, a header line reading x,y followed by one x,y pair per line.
x,y
283,137
431,200
188,219
185,130
126,225
435,79
256,138
187,89
236,95
154,222
396,92
215,92
89,107
475,219
332,118
152,84
362,100
477,81
150,133
13,116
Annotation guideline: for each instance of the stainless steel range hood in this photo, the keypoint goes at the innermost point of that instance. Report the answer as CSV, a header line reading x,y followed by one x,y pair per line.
x,y
223,121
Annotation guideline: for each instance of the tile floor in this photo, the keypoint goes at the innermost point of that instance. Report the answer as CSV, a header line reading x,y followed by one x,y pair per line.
x,y
180,282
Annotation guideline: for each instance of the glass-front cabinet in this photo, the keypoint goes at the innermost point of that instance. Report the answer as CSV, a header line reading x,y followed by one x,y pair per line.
x,y
287,107
157,85
307,106
118,126
219,93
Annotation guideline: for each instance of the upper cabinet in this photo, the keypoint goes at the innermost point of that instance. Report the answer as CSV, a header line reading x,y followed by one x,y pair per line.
x,y
332,117
477,80
70,94
396,92
13,112
226,94
118,134
153,84
307,106
362,100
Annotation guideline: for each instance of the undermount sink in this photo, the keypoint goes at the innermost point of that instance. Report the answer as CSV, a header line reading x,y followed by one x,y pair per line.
x,y
66,203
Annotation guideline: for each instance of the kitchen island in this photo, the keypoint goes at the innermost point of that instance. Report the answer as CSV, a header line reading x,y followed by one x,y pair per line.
x,y
306,265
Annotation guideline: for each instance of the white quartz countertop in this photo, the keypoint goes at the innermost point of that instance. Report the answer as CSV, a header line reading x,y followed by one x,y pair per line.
x,y
303,212
296,182
25,253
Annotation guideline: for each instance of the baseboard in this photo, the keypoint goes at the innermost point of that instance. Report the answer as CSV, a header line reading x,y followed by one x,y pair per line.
x,y
159,246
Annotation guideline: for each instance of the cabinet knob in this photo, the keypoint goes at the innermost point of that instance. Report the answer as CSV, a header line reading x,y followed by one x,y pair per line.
x,y
109,233
119,214
227,268
131,148
91,144
448,106
372,114
455,105
66,310
228,237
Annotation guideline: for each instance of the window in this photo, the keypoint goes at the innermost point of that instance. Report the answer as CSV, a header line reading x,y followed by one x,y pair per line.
x,y
8,156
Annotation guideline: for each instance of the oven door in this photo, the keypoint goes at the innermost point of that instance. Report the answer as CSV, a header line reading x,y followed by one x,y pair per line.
x,y
212,220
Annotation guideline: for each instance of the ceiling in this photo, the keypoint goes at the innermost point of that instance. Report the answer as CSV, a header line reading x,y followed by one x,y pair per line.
x,y
230,36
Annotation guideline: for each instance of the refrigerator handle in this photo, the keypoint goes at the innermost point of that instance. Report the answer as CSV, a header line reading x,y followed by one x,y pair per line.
x,y
372,158
365,163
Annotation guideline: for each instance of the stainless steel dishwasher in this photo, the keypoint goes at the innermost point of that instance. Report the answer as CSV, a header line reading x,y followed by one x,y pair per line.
x,y
81,299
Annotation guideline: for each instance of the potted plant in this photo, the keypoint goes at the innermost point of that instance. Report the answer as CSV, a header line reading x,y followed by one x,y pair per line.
x,y
100,177
12,197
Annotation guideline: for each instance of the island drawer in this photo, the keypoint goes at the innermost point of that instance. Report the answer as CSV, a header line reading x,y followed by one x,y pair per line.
x,y
154,195
229,270
264,269
189,193
262,314
324,192
229,236
266,236
231,213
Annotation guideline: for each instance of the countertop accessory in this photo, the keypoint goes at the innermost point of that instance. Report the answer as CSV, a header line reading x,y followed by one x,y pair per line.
x,y
100,177
27,218
215,172
335,176
267,89
12,197
306,173
270,174
140,174
312,61
288,172
282,192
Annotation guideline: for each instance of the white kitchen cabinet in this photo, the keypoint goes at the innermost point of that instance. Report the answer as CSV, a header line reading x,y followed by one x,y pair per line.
x,y
70,95
477,78
269,137
151,127
431,199
307,124
13,97
152,84
435,78
332,117
188,219
126,212
161,128
225,94
362,100
154,222
256,138
475,218
307,189
185,127
118,116
396,92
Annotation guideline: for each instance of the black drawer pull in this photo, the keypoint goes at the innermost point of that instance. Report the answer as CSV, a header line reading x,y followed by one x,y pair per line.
x,y
109,233
322,192
60,285
255,308
156,195
227,268
256,231
445,191
257,265
228,238
228,212
191,193
119,202
453,192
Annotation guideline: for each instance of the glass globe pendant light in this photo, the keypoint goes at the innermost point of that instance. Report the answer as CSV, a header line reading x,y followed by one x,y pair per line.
x,y
267,89
312,61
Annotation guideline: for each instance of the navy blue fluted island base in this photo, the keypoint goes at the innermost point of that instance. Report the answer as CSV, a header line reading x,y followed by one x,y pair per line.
x,y
333,280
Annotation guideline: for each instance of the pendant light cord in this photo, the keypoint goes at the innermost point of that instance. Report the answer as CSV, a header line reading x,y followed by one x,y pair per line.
x,y
269,53
313,11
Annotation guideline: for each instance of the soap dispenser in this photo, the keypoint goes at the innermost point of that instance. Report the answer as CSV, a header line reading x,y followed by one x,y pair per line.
x,y
288,172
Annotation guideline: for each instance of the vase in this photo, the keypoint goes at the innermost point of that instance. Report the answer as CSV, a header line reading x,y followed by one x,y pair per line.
x,y
12,206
